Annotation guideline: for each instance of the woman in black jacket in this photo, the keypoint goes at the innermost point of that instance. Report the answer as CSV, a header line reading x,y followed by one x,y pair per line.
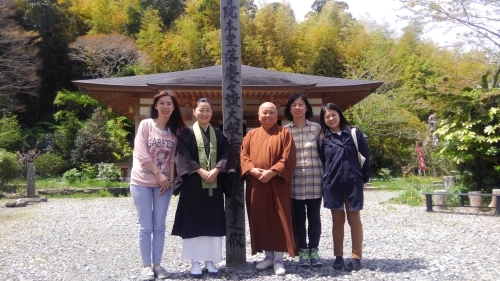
x,y
343,180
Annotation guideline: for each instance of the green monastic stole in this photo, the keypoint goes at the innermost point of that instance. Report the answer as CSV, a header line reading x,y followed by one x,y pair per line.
x,y
206,164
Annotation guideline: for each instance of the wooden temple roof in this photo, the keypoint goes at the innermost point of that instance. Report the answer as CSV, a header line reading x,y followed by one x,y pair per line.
x,y
258,84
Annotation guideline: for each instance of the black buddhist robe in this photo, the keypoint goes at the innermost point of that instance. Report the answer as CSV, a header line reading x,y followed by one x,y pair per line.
x,y
199,214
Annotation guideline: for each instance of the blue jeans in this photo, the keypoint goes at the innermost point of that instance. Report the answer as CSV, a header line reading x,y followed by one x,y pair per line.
x,y
152,210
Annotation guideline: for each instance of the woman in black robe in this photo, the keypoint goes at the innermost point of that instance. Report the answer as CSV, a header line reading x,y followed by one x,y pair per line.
x,y
201,183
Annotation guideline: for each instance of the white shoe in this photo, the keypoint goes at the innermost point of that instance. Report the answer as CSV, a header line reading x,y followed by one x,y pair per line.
x,y
266,263
196,270
211,268
279,269
147,273
160,272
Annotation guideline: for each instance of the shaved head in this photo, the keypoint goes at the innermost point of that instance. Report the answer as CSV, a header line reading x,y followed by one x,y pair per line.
x,y
268,115
267,105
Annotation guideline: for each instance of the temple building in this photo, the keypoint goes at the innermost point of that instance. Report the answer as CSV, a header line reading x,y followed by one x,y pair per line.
x,y
132,96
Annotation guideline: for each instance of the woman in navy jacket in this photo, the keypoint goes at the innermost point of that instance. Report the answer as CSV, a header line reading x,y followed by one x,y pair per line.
x,y
343,181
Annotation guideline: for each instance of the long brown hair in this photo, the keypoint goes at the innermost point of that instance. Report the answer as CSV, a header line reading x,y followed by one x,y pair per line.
x,y
176,121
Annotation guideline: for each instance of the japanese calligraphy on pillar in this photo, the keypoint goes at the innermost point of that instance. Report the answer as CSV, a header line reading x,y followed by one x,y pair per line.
x,y
233,127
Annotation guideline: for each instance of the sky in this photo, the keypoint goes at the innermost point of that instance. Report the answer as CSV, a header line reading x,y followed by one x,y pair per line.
x,y
382,11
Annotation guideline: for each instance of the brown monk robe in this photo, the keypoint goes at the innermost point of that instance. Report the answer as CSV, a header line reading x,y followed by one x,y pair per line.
x,y
267,164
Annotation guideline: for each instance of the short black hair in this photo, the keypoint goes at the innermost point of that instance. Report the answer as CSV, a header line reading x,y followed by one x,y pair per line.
x,y
200,100
288,114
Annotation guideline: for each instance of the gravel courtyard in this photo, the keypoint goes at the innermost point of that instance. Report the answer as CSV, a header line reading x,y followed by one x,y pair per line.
x,y
96,239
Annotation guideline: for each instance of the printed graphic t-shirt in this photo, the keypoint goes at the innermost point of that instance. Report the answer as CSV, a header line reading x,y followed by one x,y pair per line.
x,y
155,145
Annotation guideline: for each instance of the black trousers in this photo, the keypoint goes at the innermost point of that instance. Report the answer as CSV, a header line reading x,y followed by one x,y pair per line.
x,y
310,209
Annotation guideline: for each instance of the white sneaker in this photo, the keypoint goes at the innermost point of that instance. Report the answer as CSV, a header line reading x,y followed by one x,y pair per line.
x,y
279,269
147,273
211,268
160,272
266,263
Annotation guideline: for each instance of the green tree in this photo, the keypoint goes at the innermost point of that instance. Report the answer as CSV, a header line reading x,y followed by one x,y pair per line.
x,y
74,109
55,30
469,133
10,135
93,143
122,151
150,38
49,165
9,168
321,50
392,131
169,10
276,31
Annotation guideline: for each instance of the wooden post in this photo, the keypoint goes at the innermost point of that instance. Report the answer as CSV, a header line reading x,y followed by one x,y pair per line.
x,y
31,180
232,113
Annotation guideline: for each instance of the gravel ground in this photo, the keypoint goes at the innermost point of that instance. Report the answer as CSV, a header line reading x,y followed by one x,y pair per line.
x,y
96,239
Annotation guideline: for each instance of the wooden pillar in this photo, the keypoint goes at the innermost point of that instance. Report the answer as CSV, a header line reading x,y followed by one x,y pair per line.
x,y
232,114
31,180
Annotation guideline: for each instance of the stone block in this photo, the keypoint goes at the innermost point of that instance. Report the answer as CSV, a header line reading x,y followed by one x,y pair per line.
x,y
494,199
440,200
476,202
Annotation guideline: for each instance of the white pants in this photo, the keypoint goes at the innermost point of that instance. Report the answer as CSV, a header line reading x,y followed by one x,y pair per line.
x,y
203,248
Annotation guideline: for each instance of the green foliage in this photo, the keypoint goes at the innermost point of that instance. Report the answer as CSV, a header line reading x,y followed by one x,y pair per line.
x,y
72,176
93,143
81,195
10,135
49,165
55,183
9,168
56,27
108,172
411,192
456,200
392,131
396,184
75,102
385,174
122,150
470,136
89,171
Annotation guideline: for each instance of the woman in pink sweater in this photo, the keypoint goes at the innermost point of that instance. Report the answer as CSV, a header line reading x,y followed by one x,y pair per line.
x,y
152,176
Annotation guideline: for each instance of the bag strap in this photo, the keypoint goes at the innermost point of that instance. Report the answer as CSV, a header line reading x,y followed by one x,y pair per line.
x,y
355,138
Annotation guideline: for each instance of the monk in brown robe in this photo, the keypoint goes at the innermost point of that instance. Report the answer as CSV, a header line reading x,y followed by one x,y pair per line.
x,y
267,164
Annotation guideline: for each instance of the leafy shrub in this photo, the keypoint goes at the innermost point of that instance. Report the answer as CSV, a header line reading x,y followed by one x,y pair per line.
x,y
8,167
93,143
10,135
411,193
385,174
108,172
49,165
89,171
72,176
